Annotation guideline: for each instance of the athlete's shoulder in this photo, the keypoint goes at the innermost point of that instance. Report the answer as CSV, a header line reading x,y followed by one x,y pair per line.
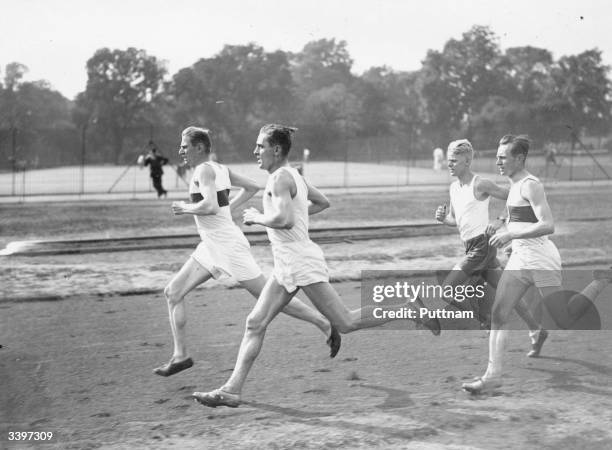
x,y
216,164
531,187
204,171
282,179
283,174
531,181
532,178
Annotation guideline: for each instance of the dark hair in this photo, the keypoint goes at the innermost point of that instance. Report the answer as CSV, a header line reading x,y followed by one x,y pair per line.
x,y
279,135
519,145
198,135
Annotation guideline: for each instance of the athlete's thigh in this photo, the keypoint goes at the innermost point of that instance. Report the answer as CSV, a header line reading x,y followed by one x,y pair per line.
x,y
188,278
271,301
325,298
509,291
492,276
456,277
545,291
254,286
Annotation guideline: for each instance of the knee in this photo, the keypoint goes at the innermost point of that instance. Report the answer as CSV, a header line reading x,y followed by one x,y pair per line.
x,y
344,329
255,325
499,315
172,294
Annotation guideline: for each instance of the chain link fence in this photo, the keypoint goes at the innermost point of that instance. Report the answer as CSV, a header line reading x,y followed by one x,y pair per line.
x,y
84,161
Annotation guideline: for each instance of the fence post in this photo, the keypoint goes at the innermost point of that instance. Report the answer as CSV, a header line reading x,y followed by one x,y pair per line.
x,y
346,156
14,157
83,151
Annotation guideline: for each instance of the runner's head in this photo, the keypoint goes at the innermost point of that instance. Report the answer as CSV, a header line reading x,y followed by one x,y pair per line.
x,y
195,145
511,154
273,145
459,157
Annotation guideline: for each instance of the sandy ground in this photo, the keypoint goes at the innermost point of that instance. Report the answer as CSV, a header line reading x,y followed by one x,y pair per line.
x,y
81,368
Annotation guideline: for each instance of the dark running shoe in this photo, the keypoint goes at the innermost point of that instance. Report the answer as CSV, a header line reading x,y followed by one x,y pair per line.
x,y
334,341
173,367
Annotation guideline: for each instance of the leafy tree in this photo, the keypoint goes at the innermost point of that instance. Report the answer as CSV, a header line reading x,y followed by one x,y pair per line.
x,y
37,117
583,91
528,72
458,81
392,104
121,85
331,113
233,93
320,64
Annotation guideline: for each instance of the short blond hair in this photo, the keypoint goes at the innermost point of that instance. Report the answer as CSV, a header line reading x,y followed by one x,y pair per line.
x,y
462,147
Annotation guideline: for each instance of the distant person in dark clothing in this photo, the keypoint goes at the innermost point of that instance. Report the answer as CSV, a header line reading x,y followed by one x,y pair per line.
x,y
156,162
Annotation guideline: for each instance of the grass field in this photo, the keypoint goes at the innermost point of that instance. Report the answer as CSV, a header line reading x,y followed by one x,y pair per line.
x,y
101,179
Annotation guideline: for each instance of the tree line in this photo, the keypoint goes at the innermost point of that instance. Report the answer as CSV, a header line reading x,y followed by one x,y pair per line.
x,y
470,88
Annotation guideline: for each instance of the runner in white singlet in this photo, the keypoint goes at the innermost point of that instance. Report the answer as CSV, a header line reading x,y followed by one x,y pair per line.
x,y
534,261
298,262
469,212
224,250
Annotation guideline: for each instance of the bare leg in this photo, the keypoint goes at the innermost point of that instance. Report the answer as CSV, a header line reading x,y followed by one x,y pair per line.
x,y
295,308
580,302
533,320
564,315
457,277
326,299
529,308
509,292
272,300
188,278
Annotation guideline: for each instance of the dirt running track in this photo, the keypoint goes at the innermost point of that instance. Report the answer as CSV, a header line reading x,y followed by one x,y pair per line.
x,y
81,368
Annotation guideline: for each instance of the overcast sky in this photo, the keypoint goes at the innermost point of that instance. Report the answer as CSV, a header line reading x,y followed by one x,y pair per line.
x,y
55,38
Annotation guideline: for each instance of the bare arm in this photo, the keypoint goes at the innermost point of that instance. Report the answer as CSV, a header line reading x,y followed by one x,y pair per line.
x,y
318,201
280,213
248,188
488,187
209,204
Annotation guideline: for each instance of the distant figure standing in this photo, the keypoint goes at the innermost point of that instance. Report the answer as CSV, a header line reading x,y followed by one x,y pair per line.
x,y
438,158
156,162
551,158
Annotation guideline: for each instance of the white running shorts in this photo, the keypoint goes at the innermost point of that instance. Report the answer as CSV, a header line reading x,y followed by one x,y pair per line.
x,y
298,264
229,258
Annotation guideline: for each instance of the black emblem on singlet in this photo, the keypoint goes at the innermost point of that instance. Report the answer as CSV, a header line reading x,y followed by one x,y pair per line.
x,y
521,214
222,197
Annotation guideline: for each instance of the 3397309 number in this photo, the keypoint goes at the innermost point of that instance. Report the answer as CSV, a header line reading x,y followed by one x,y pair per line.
x,y
30,435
